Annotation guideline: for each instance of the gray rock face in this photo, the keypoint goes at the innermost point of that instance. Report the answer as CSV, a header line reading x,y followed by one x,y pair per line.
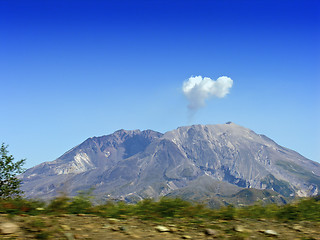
x,y
132,165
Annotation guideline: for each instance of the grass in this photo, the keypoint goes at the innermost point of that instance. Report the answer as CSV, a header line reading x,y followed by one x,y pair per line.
x,y
166,208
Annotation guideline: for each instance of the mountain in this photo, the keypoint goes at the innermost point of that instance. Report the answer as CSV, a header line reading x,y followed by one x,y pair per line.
x,y
202,161
216,193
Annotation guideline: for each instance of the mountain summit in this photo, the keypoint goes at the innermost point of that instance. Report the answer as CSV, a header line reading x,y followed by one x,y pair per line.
x,y
133,165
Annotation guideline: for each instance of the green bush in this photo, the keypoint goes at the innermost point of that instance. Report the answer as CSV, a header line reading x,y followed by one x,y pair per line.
x,y
21,206
258,211
145,209
81,203
227,213
309,209
59,205
114,209
166,208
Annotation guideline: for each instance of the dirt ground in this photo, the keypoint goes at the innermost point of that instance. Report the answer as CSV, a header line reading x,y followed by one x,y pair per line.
x,y
93,227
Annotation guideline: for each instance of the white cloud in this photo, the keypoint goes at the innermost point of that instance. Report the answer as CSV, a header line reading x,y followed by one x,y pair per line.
x,y
198,89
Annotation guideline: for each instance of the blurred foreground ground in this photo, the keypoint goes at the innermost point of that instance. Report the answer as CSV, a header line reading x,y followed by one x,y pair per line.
x,y
85,226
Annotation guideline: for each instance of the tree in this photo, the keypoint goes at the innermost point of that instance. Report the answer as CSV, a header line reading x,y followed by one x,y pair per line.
x,y
9,183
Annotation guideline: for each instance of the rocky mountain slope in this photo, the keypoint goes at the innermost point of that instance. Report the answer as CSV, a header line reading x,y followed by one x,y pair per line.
x,y
137,164
217,194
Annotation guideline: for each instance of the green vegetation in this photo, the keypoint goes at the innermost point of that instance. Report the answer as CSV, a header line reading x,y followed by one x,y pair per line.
x,y
279,186
20,205
166,208
305,209
300,172
9,183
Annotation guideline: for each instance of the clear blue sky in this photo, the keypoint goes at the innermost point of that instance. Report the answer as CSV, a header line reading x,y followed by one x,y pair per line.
x,y
70,70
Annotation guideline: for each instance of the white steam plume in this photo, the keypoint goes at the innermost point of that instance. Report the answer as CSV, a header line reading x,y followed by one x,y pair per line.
x,y
198,89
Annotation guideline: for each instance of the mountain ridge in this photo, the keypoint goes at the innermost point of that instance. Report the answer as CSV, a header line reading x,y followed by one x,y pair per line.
x,y
134,164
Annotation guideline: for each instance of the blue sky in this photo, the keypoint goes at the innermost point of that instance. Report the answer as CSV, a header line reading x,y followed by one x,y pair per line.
x,y
70,70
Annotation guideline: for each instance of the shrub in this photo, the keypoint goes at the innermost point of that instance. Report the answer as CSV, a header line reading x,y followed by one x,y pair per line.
x,y
309,209
9,183
168,207
227,213
81,203
145,209
114,209
20,205
59,205
288,212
